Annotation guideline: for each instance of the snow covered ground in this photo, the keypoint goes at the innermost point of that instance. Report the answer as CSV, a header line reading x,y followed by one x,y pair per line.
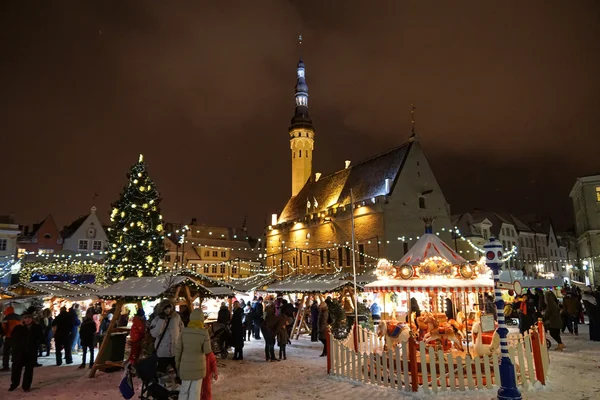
x,y
574,375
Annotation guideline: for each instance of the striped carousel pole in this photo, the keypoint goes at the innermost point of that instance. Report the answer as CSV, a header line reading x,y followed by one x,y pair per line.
x,y
508,384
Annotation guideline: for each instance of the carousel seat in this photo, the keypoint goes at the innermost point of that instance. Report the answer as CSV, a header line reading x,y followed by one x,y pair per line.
x,y
394,328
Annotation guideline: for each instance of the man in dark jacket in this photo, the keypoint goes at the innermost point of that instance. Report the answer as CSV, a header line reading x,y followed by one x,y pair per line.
x,y
287,310
26,339
87,335
62,336
314,322
223,316
10,322
257,313
237,331
270,326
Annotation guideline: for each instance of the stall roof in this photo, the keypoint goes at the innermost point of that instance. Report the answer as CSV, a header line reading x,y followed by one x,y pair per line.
x,y
51,289
541,283
480,284
220,291
150,287
366,277
430,245
252,283
6,293
310,283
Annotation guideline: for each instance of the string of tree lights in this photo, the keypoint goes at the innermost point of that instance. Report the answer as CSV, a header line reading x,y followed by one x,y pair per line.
x,y
136,224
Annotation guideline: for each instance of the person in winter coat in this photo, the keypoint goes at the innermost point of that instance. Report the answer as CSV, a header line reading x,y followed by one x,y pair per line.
x,y
270,326
283,337
248,321
76,313
184,313
190,356
46,331
96,318
591,300
526,313
449,309
314,321
572,308
169,323
257,312
323,326
375,312
87,335
287,310
11,320
237,331
26,339
211,373
138,331
106,322
223,316
551,318
62,335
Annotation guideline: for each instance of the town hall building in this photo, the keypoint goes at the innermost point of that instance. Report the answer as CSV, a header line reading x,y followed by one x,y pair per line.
x,y
390,194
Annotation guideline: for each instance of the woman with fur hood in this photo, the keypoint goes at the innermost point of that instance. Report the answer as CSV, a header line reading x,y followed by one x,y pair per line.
x,y
190,356
168,322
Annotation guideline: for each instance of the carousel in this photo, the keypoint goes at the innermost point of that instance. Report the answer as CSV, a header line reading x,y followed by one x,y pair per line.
x,y
434,295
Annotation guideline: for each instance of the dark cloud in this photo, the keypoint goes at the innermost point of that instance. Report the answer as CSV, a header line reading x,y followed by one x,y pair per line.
x,y
205,91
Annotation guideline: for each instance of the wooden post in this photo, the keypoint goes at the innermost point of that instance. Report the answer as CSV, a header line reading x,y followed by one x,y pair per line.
x,y
328,339
188,298
176,295
230,306
414,372
537,357
109,331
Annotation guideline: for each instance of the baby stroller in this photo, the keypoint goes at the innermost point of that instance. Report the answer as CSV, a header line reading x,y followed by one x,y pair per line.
x,y
511,315
155,384
220,337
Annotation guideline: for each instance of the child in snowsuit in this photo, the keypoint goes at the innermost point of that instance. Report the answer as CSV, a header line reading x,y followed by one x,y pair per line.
x,y
211,372
282,339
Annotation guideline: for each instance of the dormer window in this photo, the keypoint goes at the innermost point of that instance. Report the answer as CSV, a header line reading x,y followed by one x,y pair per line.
x,y
422,203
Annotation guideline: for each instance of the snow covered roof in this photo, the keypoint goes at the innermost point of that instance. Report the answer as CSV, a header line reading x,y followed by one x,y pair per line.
x,y
6,293
220,291
52,289
480,284
252,283
310,283
430,245
148,287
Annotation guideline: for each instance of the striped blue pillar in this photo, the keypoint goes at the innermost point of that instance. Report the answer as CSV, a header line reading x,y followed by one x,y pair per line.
x,y
508,384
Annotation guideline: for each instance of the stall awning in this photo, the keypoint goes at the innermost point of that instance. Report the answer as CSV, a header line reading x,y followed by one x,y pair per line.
x,y
250,284
432,285
310,283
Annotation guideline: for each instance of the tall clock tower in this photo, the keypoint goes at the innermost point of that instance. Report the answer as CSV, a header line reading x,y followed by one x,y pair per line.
x,y
302,134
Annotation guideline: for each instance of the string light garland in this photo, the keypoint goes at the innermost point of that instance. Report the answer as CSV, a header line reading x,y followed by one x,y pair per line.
x,y
65,267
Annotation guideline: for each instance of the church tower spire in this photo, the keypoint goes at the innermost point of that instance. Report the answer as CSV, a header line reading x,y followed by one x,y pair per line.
x,y
301,131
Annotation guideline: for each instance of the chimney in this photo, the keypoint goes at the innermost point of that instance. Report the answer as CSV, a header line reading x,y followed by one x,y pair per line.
x,y
317,176
388,185
193,222
347,163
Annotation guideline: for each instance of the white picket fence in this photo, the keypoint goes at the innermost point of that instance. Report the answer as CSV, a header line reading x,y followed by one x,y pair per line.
x,y
432,371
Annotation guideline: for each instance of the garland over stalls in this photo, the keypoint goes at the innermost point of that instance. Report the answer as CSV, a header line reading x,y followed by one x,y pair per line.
x,y
135,250
64,267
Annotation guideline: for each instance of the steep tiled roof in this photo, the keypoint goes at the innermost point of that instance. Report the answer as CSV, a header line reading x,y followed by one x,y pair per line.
x,y
69,230
366,179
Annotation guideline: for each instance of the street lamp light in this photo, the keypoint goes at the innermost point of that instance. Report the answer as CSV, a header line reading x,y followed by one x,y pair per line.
x,y
508,385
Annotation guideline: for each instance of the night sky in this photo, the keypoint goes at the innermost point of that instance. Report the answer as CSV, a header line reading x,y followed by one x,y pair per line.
x,y
507,97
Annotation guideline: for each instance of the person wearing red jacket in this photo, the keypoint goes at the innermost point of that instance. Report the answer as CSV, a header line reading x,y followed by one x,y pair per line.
x,y
11,320
211,372
138,331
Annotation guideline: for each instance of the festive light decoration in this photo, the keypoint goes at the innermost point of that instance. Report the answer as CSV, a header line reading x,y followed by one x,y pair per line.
x,y
136,222
64,267
385,270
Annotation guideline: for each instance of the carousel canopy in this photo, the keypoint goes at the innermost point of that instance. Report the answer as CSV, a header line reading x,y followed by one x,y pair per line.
x,y
310,283
437,284
428,246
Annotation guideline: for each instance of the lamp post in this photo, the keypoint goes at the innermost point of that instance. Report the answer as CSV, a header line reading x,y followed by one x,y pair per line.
x,y
508,385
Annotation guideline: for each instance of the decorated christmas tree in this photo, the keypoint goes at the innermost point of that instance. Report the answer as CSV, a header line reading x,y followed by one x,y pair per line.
x,y
136,235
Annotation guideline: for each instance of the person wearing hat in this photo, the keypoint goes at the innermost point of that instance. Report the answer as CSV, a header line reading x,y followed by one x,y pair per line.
x,y
190,356
26,339
10,322
167,325
223,316
138,331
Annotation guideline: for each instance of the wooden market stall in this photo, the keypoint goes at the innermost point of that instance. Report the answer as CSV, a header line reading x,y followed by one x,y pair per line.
x,y
315,286
56,294
179,287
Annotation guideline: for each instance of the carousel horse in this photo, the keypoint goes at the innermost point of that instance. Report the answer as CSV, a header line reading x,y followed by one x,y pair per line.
x,y
394,332
481,349
450,331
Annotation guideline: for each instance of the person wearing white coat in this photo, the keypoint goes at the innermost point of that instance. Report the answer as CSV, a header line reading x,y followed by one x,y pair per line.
x,y
169,322
190,356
